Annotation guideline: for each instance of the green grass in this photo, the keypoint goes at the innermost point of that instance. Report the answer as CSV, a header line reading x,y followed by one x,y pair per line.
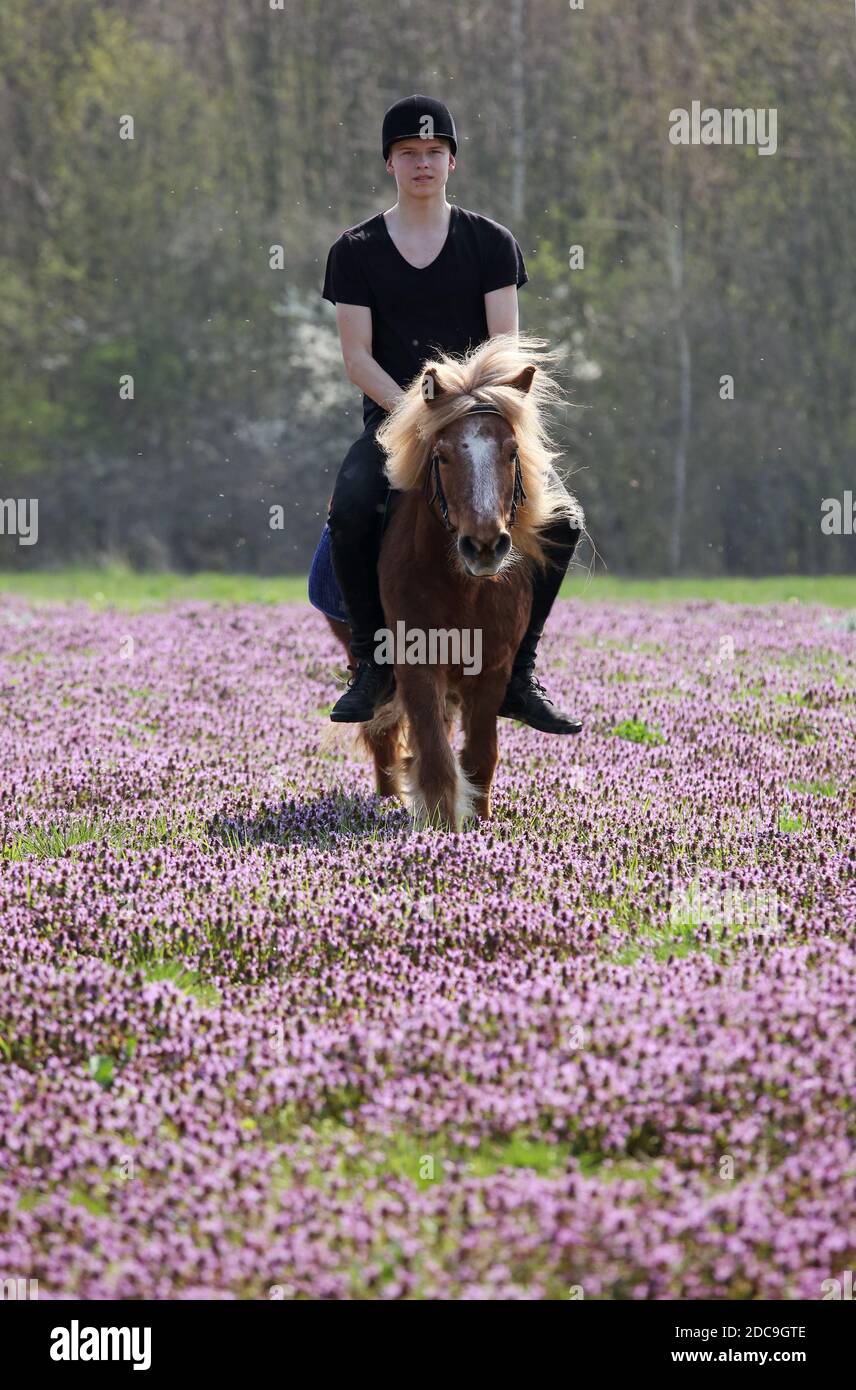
x,y
427,1159
123,588
835,590
51,841
636,732
827,787
188,980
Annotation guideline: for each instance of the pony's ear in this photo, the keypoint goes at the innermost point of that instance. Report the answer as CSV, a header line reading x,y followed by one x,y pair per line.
x,y
523,380
431,387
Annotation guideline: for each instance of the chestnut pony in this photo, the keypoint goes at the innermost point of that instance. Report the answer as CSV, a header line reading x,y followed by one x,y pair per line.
x,y
468,452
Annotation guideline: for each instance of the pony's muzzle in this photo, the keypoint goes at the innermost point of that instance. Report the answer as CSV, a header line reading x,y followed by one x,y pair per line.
x,y
484,557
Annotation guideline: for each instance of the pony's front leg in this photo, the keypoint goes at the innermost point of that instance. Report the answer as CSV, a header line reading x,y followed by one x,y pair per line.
x,y
387,756
433,780
480,752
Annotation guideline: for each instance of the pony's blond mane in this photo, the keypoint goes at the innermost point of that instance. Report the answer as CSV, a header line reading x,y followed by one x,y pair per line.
x,y
484,376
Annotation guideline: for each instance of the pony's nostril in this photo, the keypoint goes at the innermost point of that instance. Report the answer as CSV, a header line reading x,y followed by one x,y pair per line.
x,y
484,553
496,549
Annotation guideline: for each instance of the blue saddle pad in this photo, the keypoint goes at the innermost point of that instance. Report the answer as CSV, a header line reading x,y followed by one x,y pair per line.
x,y
324,591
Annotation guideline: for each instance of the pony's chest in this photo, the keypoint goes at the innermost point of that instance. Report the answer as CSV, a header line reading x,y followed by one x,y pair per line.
x,y
437,595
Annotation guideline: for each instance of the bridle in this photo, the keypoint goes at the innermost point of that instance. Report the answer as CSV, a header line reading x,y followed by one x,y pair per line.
x,y
432,474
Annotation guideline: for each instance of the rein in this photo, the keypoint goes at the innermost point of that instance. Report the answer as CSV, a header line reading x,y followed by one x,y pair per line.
x,y
433,474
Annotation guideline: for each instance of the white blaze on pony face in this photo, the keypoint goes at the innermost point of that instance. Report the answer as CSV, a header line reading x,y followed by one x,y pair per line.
x,y
482,450
483,540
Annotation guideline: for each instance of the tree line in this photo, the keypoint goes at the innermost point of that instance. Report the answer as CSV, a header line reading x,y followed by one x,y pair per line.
x,y
169,379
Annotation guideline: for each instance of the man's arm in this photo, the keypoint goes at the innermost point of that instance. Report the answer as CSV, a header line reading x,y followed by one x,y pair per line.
x,y
501,310
355,334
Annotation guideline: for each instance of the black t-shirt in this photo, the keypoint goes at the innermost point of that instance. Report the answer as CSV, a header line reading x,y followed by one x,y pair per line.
x,y
416,313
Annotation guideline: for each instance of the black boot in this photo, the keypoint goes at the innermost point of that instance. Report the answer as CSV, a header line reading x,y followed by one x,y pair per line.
x,y
527,700
368,687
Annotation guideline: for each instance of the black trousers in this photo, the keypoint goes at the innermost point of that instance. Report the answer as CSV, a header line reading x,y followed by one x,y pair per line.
x,y
355,520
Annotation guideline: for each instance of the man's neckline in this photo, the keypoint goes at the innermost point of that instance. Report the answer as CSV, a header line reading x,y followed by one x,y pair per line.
x,y
409,264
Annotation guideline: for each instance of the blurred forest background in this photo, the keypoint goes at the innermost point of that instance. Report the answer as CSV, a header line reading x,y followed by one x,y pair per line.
x,y
257,126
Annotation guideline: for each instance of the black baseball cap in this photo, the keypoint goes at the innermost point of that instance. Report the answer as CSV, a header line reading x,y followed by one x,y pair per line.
x,y
418,116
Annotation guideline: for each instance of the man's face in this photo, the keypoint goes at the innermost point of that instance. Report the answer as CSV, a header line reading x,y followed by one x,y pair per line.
x,y
420,166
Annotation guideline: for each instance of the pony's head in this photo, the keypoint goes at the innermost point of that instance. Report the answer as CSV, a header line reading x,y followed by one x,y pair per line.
x,y
471,432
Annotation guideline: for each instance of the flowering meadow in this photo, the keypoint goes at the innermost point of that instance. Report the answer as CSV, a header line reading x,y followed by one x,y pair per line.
x,y
259,1039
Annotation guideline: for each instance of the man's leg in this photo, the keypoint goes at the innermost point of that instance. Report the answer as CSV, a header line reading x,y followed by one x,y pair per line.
x,y
355,520
526,698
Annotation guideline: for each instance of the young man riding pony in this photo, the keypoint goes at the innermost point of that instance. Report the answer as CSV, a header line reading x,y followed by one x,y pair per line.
x,y
423,277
